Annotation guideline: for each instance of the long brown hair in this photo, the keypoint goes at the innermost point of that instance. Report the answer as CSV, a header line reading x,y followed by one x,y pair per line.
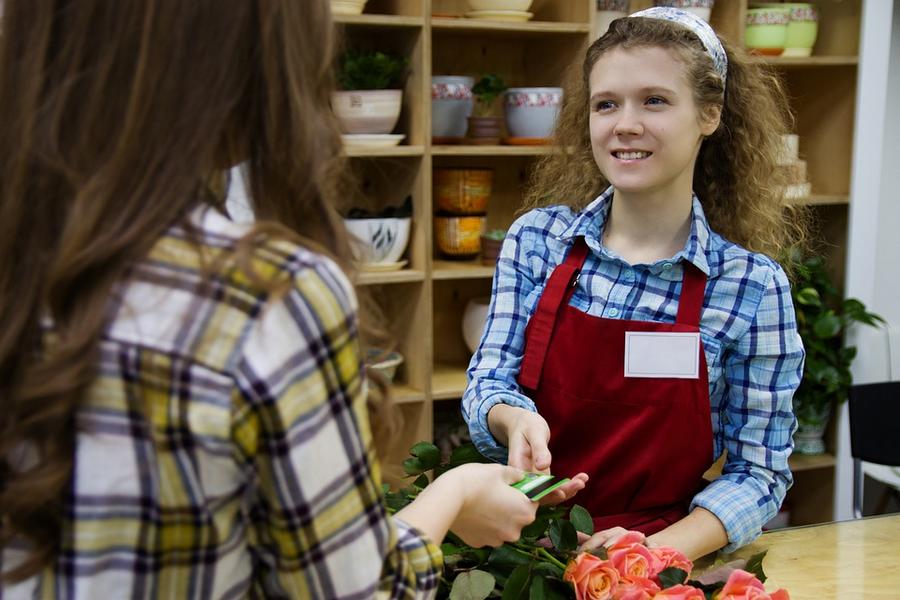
x,y
112,116
736,175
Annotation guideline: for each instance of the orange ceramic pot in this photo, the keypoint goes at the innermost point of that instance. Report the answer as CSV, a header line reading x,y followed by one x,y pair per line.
x,y
462,191
459,236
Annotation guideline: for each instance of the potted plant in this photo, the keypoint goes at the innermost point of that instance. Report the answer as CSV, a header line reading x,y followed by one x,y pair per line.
x,y
491,243
371,96
822,319
484,125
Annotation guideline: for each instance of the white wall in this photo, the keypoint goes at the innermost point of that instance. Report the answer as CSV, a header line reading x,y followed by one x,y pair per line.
x,y
873,253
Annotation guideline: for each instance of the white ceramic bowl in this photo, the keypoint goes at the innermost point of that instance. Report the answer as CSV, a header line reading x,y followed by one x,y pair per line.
x,y
518,5
386,364
347,7
378,240
532,112
474,320
367,111
451,105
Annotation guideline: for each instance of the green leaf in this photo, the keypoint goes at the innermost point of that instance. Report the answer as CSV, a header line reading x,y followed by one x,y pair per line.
x,y
451,549
506,555
581,519
808,296
672,576
428,454
540,589
412,466
754,565
517,583
535,530
466,453
421,481
472,585
563,535
548,569
827,325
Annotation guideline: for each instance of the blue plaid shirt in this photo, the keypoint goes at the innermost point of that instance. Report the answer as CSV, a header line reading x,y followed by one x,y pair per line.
x,y
748,329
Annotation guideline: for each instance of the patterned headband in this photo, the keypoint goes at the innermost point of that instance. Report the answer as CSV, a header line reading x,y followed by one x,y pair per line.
x,y
698,27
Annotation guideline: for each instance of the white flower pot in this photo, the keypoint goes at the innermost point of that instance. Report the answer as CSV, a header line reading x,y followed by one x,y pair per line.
x,y
367,111
451,105
378,240
532,112
474,319
347,7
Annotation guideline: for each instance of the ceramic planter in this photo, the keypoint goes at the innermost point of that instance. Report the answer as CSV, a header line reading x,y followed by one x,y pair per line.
x,y
701,8
459,236
474,319
532,112
490,250
811,425
504,5
347,7
367,111
485,130
379,240
766,31
451,105
462,191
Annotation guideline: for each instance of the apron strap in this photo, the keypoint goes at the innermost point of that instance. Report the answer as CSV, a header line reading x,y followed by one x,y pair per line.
x,y
693,289
540,326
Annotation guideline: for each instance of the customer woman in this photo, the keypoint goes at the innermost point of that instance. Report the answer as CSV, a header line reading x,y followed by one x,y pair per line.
x,y
640,325
183,408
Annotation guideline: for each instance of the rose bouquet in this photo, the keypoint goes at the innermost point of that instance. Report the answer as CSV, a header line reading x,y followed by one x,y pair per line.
x,y
545,562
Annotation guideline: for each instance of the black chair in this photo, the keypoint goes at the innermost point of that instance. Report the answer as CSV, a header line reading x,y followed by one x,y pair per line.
x,y
874,430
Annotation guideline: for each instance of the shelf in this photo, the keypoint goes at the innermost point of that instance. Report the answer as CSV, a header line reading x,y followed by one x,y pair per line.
x,y
380,21
506,28
808,462
375,151
403,394
822,200
399,276
475,150
467,269
448,381
809,61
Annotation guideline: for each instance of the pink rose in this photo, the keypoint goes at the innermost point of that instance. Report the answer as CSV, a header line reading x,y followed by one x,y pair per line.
x,y
680,592
670,557
636,589
632,559
593,577
742,585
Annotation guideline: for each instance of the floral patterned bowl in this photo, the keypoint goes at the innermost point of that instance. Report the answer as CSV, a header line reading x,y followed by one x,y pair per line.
x,y
532,112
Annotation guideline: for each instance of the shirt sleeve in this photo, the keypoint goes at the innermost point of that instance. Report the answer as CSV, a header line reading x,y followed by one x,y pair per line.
x,y
319,528
495,365
762,371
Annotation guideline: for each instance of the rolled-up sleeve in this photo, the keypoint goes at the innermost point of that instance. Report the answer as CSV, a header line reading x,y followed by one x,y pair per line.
x,y
762,371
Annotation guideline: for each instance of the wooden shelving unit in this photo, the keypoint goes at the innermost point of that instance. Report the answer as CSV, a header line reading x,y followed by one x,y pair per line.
x,y
424,303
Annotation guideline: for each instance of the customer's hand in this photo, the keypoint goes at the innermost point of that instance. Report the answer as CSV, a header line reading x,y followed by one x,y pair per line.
x,y
492,511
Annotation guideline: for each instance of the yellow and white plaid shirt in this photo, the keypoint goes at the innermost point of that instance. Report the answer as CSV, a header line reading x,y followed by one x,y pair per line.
x,y
224,449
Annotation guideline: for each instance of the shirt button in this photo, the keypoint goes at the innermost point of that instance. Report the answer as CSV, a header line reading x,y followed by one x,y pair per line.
x,y
667,266
614,312
629,276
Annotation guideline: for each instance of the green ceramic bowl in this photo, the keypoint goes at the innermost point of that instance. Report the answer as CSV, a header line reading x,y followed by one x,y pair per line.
x,y
766,31
802,28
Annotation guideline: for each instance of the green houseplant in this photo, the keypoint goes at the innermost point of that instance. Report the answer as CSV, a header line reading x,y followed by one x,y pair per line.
x,y
822,319
484,125
371,96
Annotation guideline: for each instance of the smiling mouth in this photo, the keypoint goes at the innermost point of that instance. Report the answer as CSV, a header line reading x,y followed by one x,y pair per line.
x,y
631,155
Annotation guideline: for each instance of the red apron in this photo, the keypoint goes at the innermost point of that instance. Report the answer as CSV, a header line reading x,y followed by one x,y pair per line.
x,y
645,443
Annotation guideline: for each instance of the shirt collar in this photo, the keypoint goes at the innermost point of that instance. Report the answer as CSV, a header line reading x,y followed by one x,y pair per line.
x,y
589,224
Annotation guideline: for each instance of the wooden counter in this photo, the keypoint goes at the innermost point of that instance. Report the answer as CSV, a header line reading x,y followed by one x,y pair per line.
x,y
845,560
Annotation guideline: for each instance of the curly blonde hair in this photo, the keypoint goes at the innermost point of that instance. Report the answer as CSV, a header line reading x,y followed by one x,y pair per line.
x,y
736,175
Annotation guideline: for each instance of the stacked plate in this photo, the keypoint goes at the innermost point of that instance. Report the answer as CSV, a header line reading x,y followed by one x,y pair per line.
x,y
500,15
371,140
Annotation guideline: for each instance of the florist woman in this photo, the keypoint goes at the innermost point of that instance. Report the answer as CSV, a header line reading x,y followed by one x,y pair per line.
x,y
639,325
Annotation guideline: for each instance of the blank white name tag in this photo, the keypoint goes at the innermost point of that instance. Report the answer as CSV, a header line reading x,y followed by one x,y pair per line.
x,y
654,354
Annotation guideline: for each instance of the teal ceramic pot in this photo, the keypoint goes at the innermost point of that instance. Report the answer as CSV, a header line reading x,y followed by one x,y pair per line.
x,y
766,30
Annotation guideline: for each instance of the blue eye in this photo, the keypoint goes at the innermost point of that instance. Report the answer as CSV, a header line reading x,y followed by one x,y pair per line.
x,y
603,105
656,100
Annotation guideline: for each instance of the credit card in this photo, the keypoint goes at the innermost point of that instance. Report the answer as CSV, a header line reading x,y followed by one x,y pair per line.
x,y
538,485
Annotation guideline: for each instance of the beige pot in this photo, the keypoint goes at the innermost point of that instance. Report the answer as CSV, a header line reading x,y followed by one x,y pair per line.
x,y
367,111
517,5
347,7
